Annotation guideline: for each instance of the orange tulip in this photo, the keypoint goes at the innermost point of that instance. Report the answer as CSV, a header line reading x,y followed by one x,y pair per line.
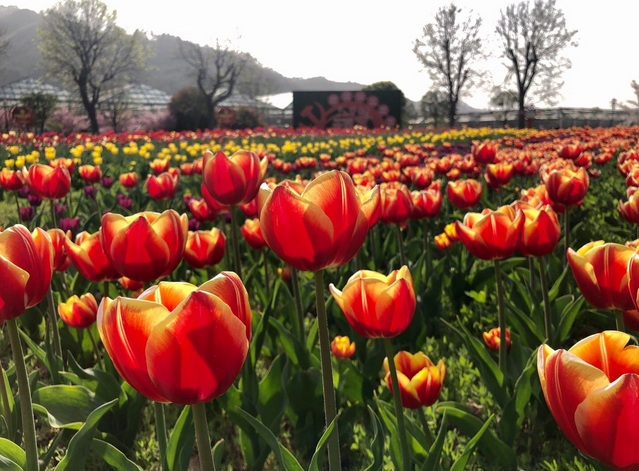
x,y
541,231
565,186
498,175
484,152
177,342
420,381
162,187
79,312
204,248
253,235
160,166
630,209
88,258
464,194
342,347
90,174
145,246
591,391
10,180
233,180
47,182
322,227
451,232
492,235
442,242
426,203
397,204
601,271
26,264
129,180
492,339
60,260
376,305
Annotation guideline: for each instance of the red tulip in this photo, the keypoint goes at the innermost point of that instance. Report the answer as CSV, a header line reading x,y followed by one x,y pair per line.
x,y
498,175
397,204
26,264
566,186
88,258
464,194
492,338
131,285
10,180
160,166
233,180
90,174
376,305
426,203
145,246
420,381
442,242
79,312
60,260
47,182
322,227
630,209
162,187
541,231
492,234
177,342
342,347
204,248
484,152
253,235
129,180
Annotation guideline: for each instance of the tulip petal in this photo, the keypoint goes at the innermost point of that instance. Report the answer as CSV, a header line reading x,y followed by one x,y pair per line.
x,y
168,294
224,179
229,288
609,351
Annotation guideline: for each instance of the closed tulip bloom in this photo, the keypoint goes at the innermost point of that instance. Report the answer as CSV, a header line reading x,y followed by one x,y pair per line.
x,y
322,227
493,340
565,186
492,235
11,180
342,347
47,182
90,174
464,194
250,209
88,258
601,271
397,204
60,260
69,164
541,231
253,235
421,178
79,312
204,248
426,203
451,232
233,180
630,209
160,166
129,180
442,242
633,283
498,175
177,342
26,264
484,152
377,306
131,285
145,246
591,391
201,211
162,187
420,381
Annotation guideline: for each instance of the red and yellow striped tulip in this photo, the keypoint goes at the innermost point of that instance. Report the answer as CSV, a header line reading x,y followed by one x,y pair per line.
x,y
420,380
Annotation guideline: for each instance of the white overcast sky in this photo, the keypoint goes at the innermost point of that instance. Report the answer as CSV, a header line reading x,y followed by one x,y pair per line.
x,y
365,42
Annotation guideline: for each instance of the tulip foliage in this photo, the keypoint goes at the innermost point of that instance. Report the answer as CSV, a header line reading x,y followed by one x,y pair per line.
x,y
308,300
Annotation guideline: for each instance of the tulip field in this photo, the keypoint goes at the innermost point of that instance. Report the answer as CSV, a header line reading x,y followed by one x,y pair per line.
x,y
305,300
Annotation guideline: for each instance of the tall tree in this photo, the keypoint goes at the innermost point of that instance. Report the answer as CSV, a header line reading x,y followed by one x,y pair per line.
x,y
449,50
434,107
217,71
533,36
82,45
504,100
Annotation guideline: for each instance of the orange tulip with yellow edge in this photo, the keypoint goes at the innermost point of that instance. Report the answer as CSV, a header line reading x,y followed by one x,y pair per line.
x,y
79,312
541,231
204,248
342,347
491,234
420,380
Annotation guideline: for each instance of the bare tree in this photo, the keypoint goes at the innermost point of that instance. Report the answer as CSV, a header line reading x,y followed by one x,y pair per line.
x,y
217,71
449,49
434,107
504,100
533,35
81,44
255,81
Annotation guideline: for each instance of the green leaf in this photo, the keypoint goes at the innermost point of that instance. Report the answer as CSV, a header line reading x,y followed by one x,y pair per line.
x,y
218,449
284,457
435,452
377,444
66,406
13,452
272,396
180,446
554,291
460,464
514,412
291,345
321,446
104,385
568,317
113,457
7,465
80,444
389,422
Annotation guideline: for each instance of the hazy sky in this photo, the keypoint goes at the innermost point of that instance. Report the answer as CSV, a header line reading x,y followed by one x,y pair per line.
x,y
371,41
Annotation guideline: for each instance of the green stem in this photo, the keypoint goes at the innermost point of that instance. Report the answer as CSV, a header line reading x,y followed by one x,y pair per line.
x,y
371,233
28,423
544,292
53,320
4,393
330,410
15,193
53,218
531,275
399,410
428,260
98,355
160,428
202,436
422,418
400,245
267,284
236,241
621,327
227,253
566,235
502,318
297,295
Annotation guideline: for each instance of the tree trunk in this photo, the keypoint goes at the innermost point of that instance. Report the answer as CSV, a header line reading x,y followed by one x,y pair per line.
x,y
521,121
89,106
452,108
210,112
